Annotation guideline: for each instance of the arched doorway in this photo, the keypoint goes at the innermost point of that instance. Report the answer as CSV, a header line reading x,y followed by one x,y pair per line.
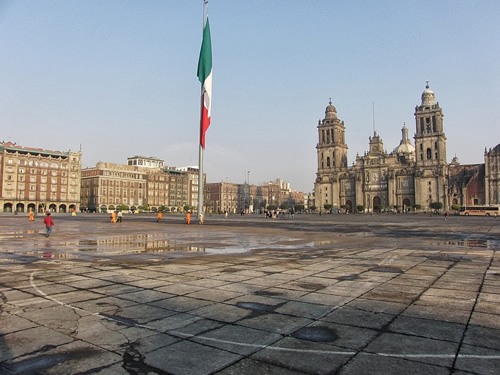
x,y
406,205
52,208
348,205
7,207
20,207
62,208
376,204
31,207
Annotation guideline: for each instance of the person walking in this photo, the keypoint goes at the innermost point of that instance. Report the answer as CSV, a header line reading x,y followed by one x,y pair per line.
x,y
120,216
159,216
188,217
31,216
113,217
49,223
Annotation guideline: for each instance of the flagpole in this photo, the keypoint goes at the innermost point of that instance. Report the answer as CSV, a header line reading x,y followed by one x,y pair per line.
x,y
200,154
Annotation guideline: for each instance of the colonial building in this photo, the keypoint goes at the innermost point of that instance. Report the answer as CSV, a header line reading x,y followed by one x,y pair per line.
x,y
236,198
492,175
138,185
409,176
35,179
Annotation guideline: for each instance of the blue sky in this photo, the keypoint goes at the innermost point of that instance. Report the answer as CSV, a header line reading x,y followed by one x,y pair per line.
x,y
118,78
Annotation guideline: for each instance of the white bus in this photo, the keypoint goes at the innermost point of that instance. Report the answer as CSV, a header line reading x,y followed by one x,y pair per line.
x,y
480,210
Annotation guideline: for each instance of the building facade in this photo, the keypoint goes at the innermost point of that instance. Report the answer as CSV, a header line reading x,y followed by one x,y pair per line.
x,y
108,186
409,176
492,175
38,180
222,197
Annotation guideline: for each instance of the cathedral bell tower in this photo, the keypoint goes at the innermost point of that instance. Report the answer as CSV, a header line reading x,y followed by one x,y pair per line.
x,y
430,152
331,157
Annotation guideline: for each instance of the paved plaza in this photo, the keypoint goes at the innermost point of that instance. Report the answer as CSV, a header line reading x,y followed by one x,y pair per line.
x,y
330,294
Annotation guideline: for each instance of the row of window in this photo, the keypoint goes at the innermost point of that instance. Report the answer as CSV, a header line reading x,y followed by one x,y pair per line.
x,y
34,163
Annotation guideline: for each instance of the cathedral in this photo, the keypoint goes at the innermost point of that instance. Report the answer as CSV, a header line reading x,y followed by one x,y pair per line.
x,y
409,177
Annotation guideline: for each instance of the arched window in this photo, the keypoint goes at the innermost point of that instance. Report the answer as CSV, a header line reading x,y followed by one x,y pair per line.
x,y
429,154
328,161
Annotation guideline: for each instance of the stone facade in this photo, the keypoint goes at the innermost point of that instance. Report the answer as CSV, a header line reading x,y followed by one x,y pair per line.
x,y
38,180
236,198
404,178
492,175
108,185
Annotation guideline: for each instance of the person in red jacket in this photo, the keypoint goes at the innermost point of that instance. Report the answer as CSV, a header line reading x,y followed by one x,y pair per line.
x,y
49,223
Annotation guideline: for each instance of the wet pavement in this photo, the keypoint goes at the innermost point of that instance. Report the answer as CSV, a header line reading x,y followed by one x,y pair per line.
x,y
347,294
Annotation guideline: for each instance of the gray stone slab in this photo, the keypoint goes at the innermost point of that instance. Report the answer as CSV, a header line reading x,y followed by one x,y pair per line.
x,y
145,296
304,356
72,358
216,295
484,337
369,364
478,360
419,349
181,303
237,339
174,322
486,320
221,313
438,313
180,288
278,323
117,289
142,313
249,366
302,309
359,318
195,328
189,357
435,329
29,341
10,323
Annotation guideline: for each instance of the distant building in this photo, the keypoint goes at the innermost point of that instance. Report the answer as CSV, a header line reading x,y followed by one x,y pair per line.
x,y
492,175
228,197
145,161
409,176
108,186
35,179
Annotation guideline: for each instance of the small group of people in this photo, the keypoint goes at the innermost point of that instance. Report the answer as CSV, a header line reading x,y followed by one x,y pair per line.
x,y
48,221
117,216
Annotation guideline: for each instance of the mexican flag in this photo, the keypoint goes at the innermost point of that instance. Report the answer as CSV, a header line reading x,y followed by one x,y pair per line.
x,y
205,77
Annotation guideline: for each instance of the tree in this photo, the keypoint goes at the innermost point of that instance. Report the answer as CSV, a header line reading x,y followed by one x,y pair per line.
x,y
436,206
328,206
360,208
455,207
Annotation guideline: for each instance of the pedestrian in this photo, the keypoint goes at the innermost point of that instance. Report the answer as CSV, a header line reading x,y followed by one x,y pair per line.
x,y
113,217
188,217
31,216
446,215
120,216
159,216
49,223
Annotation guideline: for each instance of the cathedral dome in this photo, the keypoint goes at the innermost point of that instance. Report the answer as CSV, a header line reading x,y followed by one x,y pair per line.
x,y
428,97
331,111
405,146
